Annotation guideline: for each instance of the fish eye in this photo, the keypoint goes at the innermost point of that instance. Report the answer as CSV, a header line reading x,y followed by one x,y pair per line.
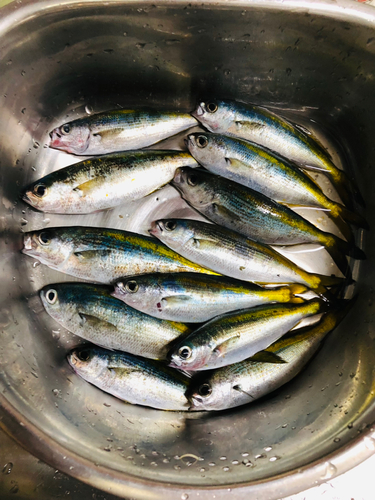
x,y
170,225
184,352
202,141
40,190
65,129
131,286
45,238
211,107
205,390
84,355
51,296
192,180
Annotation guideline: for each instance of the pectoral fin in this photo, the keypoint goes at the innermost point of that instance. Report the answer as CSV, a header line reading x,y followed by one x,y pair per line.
x,y
172,302
250,125
86,255
90,186
227,344
267,357
96,323
235,164
225,213
122,371
239,389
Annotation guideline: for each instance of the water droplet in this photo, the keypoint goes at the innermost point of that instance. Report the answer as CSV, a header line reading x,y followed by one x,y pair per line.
x,y
235,462
47,220
369,443
177,467
245,454
14,489
107,448
336,440
7,469
212,464
227,72
23,111
184,496
36,264
35,144
33,169
268,448
273,459
125,33
89,109
257,457
226,468
9,62
329,471
284,426
166,460
24,221
202,469
23,72
223,458
154,464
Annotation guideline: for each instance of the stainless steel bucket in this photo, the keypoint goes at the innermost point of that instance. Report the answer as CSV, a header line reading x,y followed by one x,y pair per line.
x,y
60,59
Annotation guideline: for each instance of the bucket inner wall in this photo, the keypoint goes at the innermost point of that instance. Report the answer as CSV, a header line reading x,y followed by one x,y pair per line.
x,y
63,62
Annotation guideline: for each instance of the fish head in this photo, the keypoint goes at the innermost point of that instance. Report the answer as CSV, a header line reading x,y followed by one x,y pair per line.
x,y
88,362
50,246
216,116
194,186
207,149
209,393
190,356
72,137
175,233
60,302
49,194
136,289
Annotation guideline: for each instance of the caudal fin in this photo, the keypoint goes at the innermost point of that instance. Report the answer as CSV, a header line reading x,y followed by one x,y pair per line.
x,y
338,249
346,188
351,217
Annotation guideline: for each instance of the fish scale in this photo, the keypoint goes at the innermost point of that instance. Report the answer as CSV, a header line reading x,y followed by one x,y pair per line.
x,y
103,255
132,378
235,336
91,312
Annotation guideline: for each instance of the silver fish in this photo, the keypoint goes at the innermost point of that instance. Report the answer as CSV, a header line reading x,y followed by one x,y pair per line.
x,y
103,255
268,173
249,212
105,182
118,130
91,312
191,298
235,336
259,125
244,382
232,254
131,378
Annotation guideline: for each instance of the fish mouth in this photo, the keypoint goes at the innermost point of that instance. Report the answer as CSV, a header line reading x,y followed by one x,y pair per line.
x,y
156,227
178,178
27,244
199,111
56,139
25,197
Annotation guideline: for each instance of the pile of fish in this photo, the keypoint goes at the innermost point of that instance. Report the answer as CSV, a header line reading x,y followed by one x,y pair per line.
x,y
200,315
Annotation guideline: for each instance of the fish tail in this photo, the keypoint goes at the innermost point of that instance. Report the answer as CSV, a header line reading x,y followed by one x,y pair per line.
x,y
350,217
342,225
346,188
322,282
338,249
294,290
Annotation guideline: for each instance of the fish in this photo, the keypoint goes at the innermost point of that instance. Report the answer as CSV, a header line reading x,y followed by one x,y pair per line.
x,y
235,336
253,378
272,175
105,182
131,378
191,298
118,130
249,212
260,125
91,312
103,255
229,253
